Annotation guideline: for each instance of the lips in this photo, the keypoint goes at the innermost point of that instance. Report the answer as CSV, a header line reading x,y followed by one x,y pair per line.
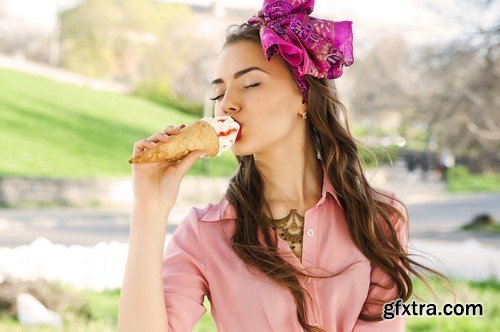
x,y
239,131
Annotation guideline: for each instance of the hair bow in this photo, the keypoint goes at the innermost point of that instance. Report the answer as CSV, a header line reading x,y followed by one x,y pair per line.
x,y
310,45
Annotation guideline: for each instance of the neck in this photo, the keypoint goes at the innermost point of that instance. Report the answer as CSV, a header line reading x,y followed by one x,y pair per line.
x,y
293,176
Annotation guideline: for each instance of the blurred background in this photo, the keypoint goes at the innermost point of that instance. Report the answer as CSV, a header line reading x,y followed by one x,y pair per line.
x,y
82,80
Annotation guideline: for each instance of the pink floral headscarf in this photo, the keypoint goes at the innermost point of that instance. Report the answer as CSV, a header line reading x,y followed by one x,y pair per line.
x,y
310,45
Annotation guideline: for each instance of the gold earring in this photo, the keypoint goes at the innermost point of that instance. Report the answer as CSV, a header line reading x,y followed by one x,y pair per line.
x,y
304,115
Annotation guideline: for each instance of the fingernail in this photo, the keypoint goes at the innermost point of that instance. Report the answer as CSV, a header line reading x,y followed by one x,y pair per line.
x,y
153,143
203,155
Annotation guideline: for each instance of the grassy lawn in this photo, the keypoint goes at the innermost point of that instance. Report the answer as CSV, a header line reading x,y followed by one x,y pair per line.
x,y
102,310
461,180
489,228
58,130
483,292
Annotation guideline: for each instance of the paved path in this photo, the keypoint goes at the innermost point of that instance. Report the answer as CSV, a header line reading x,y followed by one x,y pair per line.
x,y
432,221
71,225
61,74
434,215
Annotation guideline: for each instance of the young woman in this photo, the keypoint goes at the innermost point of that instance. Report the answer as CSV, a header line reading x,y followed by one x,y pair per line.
x,y
300,240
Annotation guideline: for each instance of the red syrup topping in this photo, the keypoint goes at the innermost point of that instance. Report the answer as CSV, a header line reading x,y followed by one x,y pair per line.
x,y
228,132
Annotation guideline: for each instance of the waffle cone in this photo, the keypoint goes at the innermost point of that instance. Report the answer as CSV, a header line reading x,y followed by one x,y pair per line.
x,y
199,135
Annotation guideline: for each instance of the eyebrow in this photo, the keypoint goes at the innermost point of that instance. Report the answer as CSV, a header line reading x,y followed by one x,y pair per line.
x,y
239,74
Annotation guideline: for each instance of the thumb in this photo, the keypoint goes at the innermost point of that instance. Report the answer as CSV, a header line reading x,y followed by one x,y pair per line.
x,y
188,161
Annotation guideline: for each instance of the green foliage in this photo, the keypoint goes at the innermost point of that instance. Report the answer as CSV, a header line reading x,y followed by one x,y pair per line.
x,y
159,91
460,179
381,155
374,156
85,38
459,171
109,39
494,228
483,292
102,305
486,285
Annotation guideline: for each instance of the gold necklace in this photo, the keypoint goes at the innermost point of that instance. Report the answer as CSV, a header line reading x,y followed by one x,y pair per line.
x,y
291,229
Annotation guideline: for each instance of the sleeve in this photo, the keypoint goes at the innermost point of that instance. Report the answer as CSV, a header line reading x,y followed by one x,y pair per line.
x,y
184,283
380,277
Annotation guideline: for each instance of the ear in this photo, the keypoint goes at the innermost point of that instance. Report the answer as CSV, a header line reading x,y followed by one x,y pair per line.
x,y
303,108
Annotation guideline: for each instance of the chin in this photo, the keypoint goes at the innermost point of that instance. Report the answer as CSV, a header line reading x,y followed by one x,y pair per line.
x,y
239,150
236,150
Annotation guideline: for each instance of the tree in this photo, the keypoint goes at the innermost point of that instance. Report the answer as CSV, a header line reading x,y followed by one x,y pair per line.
x,y
109,39
384,82
460,82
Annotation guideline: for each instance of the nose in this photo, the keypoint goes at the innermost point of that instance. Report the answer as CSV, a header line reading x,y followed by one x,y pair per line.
x,y
228,106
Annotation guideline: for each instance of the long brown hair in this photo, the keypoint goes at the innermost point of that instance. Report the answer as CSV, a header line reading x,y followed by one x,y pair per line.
x,y
339,152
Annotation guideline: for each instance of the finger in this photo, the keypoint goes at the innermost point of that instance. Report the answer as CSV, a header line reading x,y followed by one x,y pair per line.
x,y
141,146
172,129
188,161
159,137
163,136
167,129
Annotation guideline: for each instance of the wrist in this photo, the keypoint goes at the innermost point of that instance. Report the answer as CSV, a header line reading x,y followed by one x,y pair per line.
x,y
155,213
152,206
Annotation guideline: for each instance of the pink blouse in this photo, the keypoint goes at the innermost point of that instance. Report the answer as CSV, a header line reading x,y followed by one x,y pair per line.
x,y
198,261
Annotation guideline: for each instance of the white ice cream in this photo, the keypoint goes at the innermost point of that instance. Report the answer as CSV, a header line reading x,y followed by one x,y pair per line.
x,y
226,129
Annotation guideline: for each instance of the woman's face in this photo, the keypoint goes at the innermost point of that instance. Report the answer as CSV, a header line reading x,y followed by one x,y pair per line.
x,y
265,102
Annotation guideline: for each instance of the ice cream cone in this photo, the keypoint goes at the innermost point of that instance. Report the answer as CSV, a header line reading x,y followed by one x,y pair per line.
x,y
199,135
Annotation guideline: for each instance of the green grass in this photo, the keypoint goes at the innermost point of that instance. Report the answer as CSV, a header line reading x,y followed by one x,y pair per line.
x,y
100,314
102,310
460,180
491,228
483,292
58,130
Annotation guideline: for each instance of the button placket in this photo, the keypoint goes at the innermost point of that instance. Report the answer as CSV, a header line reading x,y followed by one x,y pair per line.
x,y
310,246
315,313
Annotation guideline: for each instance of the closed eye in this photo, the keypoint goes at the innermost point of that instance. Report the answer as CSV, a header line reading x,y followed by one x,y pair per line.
x,y
246,87
252,85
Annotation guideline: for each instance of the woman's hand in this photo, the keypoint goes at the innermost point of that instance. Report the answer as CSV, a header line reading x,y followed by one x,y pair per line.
x,y
156,184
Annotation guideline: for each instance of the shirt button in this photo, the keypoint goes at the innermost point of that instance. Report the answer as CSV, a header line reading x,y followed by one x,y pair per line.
x,y
310,232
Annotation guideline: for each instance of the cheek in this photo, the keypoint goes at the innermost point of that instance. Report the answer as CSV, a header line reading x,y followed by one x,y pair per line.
x,y
257,136
261,133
